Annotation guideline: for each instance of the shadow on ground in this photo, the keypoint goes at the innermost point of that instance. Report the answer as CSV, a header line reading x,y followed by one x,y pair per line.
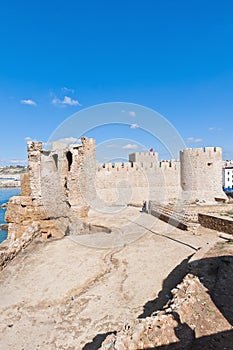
x,y
216,274
219,341
174,278
97,341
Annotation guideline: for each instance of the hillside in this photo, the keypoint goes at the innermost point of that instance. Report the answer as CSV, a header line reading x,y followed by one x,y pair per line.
x,y
12,170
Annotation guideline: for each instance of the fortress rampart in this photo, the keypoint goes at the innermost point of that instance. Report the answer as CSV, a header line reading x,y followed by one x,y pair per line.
x,y
65,182
145,180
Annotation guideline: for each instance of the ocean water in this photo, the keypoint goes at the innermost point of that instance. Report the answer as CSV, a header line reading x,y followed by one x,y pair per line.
x,y
5,195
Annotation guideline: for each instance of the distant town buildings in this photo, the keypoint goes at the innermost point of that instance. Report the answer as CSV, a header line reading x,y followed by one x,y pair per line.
x,y
228,176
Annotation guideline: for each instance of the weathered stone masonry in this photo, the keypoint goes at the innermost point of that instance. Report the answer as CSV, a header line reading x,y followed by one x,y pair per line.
x,y
65,182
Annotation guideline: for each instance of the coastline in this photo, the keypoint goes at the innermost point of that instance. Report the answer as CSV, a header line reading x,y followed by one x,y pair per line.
x,y
10,184
5,194
9,181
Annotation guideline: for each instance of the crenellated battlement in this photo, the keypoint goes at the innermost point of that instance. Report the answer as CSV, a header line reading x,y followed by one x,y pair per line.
x,y
115,166
146,154
207,151
169,164
131,166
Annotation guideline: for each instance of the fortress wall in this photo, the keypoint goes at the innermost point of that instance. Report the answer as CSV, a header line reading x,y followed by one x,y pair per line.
x,y
121,185
124,183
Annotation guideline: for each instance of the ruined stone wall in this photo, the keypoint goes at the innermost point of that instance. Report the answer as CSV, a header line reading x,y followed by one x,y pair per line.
x,y
80,182
201,174
215,222
25,184
56,191
11,248
34,168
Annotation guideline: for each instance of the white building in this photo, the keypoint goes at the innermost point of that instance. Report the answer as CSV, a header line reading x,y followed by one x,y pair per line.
x,y
228,178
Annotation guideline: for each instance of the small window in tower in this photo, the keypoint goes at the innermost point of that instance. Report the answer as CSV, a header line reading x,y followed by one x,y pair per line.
x,y
209,164
55,158
69,157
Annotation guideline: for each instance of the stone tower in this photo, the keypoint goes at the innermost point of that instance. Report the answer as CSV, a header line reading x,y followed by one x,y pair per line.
x,y
143,158
201,174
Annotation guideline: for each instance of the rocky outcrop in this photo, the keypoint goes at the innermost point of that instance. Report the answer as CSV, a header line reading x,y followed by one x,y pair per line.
x,y
190,315
22,212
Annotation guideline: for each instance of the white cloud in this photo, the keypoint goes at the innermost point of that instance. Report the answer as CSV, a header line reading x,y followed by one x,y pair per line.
x,y
17,161
28,138
134,126
71,102
69,140
67,101
28,102
132,114
194,140
213,128
130,146
66,89
56,101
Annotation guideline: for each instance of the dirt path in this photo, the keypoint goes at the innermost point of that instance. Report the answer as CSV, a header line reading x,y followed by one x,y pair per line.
x,y
61,294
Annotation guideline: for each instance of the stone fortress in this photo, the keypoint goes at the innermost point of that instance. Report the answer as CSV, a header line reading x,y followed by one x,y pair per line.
x,y
62,184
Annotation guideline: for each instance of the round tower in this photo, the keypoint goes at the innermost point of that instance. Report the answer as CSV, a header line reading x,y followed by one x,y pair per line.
x,y
201,174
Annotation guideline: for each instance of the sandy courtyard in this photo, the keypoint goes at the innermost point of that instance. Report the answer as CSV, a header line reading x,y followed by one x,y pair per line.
x,y
63,293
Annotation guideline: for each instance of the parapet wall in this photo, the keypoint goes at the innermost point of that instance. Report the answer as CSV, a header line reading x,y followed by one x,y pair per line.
x,y
129,183
165,164
215,222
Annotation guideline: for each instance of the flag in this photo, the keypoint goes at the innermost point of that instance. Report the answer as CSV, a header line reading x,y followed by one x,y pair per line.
x,y
151,149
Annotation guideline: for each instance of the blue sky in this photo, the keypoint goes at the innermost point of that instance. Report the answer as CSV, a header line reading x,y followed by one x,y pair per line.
x,y
60,57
